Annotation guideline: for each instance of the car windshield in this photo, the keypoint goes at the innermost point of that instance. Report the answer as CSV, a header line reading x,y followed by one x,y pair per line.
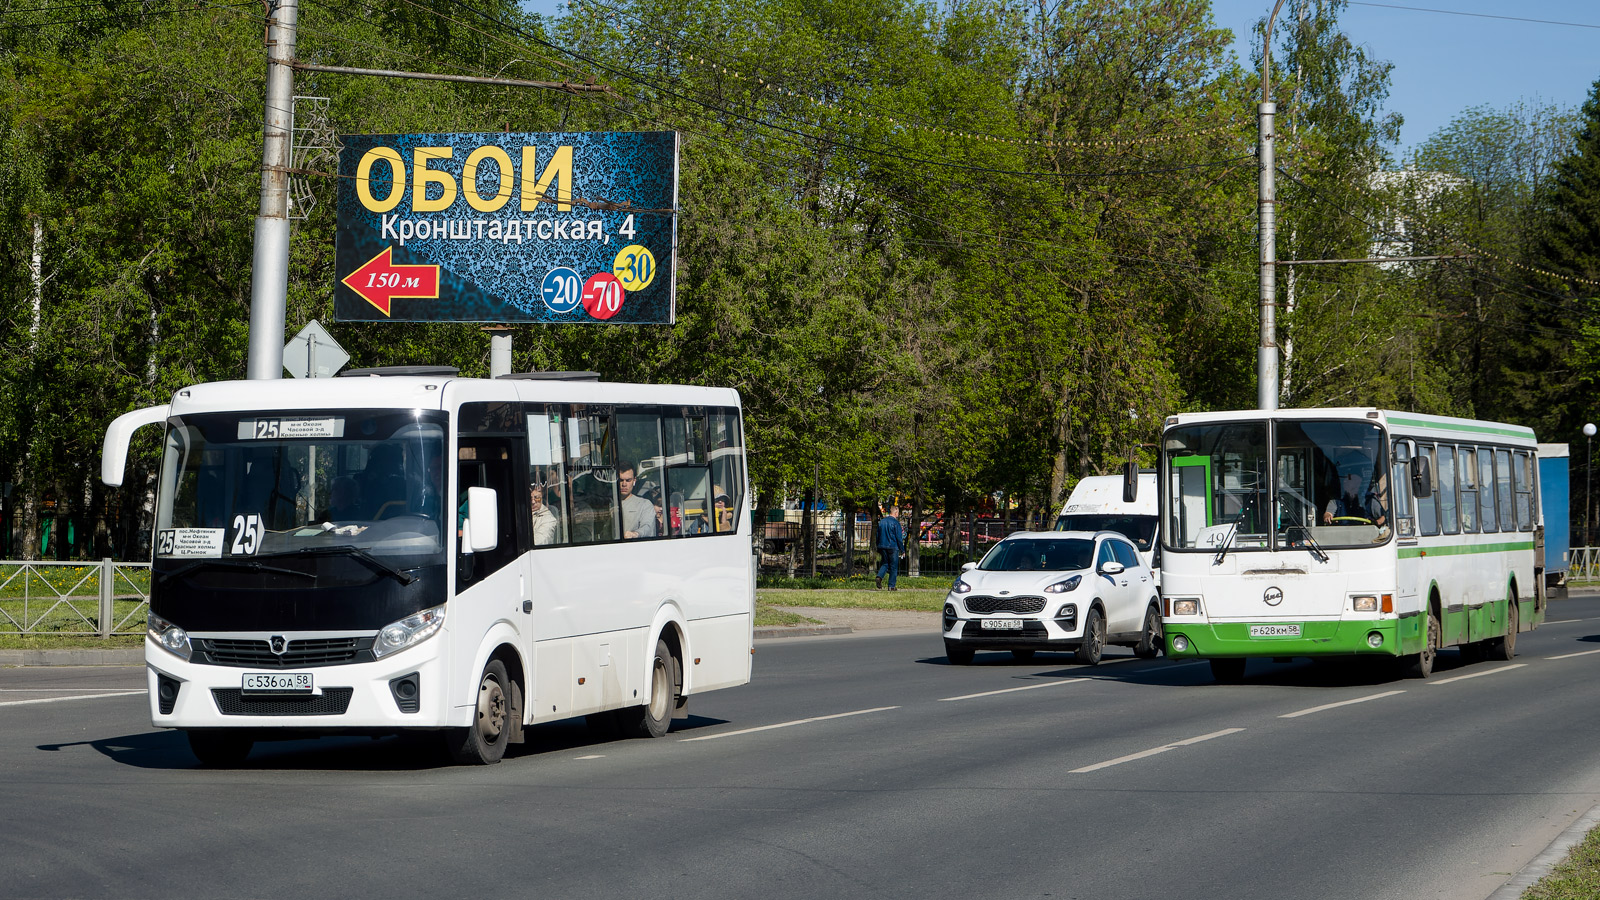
x,y
1033,555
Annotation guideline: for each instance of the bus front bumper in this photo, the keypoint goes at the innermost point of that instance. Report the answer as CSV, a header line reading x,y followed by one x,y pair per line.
x,y
1351,637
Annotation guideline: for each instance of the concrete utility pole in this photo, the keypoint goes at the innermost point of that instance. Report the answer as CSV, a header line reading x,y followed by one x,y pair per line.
x,y
270,276
1267,351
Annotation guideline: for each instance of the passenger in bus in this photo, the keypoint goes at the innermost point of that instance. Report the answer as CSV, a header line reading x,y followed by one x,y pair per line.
x,y
546,530
638,514
724,515
344,500
1352,506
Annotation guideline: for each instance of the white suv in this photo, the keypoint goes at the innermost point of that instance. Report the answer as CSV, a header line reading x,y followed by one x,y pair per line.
x,y
1054,590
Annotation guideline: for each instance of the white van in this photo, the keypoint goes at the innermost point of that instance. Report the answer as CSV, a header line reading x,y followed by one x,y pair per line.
x,y
1096,504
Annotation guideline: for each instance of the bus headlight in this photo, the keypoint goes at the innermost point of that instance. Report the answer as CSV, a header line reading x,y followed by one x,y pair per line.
x,y
172,639
410,630
1186,607
1364,603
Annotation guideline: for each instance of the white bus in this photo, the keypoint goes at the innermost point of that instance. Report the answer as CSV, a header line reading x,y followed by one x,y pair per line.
x,y
1347,532
321,567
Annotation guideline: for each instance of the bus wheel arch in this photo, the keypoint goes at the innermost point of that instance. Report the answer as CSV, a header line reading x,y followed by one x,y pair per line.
x,y
483,742
662,693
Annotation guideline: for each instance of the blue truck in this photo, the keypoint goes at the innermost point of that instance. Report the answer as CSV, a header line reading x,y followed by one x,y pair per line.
x,y
1554,491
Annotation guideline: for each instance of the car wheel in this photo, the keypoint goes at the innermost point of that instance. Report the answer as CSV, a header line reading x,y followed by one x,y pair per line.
x,y
957,654
1151,639
1094,639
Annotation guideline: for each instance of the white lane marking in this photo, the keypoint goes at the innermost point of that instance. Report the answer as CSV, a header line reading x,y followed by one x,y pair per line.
x,y
1571,655
859,712
591,756
1565,621
1154,750
1478,674
78,697
1028,687
1317,709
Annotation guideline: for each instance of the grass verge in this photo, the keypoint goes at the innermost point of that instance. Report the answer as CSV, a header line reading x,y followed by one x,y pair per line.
x,y
15,641
920,600
1577,878
767,617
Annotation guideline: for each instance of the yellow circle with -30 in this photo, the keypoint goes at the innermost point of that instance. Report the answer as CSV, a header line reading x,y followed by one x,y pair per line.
x,y
635,267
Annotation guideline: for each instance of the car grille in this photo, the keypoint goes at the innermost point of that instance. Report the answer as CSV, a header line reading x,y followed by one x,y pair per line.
x,y
299,655
1004,604
331,702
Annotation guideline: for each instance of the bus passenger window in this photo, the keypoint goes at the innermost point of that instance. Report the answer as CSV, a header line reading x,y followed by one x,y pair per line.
x,y
1486,515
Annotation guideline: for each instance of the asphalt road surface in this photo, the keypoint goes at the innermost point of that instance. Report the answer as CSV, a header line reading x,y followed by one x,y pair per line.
x,y
855,766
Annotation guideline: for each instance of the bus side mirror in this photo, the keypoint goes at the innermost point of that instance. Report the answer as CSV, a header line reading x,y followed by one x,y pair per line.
x,y
1130,481
114,452
1421,478
481,530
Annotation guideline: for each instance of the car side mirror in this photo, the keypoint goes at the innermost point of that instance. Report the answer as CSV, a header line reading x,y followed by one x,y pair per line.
x,y
1421,478
1111,568
481,530
968,566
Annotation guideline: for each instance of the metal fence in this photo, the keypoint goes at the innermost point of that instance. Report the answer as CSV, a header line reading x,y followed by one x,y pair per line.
x,y
101,598
1584,564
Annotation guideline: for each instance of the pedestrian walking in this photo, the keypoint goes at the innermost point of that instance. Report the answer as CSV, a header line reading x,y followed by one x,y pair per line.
x,y
891,546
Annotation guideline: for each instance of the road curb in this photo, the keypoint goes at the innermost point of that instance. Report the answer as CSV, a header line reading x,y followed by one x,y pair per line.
x,y
129,657
783,631
1552,856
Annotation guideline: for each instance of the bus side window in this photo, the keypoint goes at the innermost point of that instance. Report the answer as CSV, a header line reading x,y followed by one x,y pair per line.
x,y
1428,507
1502,484
1468,482
726,453
1400,481
1522,482
591,489
547,474
1486,490
1447,490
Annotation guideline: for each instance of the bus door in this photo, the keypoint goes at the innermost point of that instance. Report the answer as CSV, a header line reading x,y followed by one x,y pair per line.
x,y
1408,568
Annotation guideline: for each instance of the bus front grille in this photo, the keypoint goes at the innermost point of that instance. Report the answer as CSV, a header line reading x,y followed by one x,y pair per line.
x,y
299,654
331,702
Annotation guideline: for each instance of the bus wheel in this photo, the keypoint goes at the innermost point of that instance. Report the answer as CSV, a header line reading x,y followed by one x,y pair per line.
x,y
1094,639
1422,663
1227,671
653,718
957,654
220,748
1151,639
483,743
1505,648
1022,654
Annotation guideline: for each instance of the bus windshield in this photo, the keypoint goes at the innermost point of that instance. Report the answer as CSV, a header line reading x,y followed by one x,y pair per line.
x,y
1322,485
267,484
1139,529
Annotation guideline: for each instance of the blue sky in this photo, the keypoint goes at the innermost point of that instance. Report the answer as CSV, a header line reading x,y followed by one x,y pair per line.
x,y
1444,63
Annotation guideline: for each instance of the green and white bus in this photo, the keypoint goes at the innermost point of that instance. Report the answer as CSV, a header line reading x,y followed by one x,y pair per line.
x,y
1347,532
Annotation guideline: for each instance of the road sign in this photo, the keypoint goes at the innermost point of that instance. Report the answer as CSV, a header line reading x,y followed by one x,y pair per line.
x,y
313,353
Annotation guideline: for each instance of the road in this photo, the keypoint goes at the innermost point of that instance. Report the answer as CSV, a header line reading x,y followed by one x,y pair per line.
x,y
856,766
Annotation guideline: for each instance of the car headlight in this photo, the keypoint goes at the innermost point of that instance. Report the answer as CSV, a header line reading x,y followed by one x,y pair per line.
x,y
410,630
172,639
1186,607
960,587
1061,587
1364,603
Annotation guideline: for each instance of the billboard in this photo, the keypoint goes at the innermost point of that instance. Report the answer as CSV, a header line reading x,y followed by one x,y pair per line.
x,y
507,228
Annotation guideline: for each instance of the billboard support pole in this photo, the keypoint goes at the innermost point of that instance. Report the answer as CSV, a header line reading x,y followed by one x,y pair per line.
x,y
499,350
270,274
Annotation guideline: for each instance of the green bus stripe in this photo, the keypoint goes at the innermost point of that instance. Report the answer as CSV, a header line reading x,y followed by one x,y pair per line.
x,y
1452,426
1463,549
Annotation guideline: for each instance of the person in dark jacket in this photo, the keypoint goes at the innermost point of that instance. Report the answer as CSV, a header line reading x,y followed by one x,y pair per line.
x,y
891,546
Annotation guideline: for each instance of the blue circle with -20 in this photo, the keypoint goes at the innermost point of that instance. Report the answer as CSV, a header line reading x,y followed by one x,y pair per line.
x,y
563,290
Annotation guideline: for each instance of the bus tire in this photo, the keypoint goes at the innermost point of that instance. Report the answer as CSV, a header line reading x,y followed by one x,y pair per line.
x,y
655,716
958,655
219,749
1094,638
483,743
1504,648
1022,655
1227,671
1151,639
1420,665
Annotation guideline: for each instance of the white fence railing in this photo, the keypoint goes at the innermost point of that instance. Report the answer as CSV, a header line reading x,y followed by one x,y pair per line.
x,y
1584,564
102,598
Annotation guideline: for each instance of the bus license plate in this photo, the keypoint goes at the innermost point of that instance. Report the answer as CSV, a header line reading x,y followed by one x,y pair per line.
x,y
277,683
1002,624
1274,630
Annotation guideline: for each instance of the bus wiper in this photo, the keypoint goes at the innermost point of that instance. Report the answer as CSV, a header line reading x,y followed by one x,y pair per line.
x,y
246,564
1227,542
350,550
1303,535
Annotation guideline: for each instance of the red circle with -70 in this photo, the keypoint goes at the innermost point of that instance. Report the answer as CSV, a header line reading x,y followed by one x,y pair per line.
x,y
603,295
